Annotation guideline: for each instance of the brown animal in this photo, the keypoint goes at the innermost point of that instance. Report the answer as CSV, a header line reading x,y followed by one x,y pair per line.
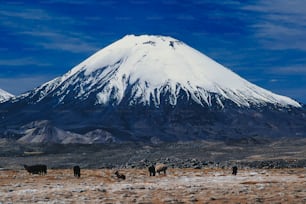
x,y
120,176
161,168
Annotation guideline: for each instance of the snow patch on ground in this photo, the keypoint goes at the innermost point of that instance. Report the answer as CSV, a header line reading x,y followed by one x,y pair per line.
x,y
178,186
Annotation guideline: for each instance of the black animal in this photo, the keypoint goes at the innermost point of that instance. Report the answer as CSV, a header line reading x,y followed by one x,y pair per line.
x,y
77,171
120,176
152,170
36,169
235,170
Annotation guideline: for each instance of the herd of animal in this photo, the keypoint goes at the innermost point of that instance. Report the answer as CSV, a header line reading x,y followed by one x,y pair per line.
x,y
42,169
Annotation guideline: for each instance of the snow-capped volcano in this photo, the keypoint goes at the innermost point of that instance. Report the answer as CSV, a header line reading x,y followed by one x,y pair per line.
x,y
151,88
4,96
144,69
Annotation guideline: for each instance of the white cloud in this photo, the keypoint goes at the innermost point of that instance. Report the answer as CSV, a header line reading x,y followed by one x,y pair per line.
x,y
289,70
185,17
22,62
26,13
79,2
67,41
274,80
280,25
156,17
51,30
278,6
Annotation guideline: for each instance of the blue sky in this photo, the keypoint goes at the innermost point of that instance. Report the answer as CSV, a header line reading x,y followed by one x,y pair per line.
x,y
262,41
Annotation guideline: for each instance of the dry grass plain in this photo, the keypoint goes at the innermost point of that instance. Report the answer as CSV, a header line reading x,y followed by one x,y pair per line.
x,y
178,186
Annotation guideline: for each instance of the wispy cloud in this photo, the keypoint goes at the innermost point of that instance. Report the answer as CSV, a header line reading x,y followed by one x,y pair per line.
x,y
22,62
139,2
25,14
69,41
75,2
281,24
290,70
278,6
155,18
51,30
185,17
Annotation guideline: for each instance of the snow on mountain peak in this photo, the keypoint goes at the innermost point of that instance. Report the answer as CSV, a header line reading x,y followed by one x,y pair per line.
x,y
4,96
149,66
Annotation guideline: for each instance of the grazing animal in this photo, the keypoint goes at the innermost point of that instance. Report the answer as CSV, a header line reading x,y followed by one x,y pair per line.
x,y
235,170
77,171
161,168
120,176
152,170
36,169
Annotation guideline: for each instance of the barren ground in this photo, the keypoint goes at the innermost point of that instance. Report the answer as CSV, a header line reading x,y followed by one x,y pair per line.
x,y
178,186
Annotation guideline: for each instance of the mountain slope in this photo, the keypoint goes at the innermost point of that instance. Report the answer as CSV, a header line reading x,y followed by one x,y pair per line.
x,y
153,88
4,96
45,132
142,69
